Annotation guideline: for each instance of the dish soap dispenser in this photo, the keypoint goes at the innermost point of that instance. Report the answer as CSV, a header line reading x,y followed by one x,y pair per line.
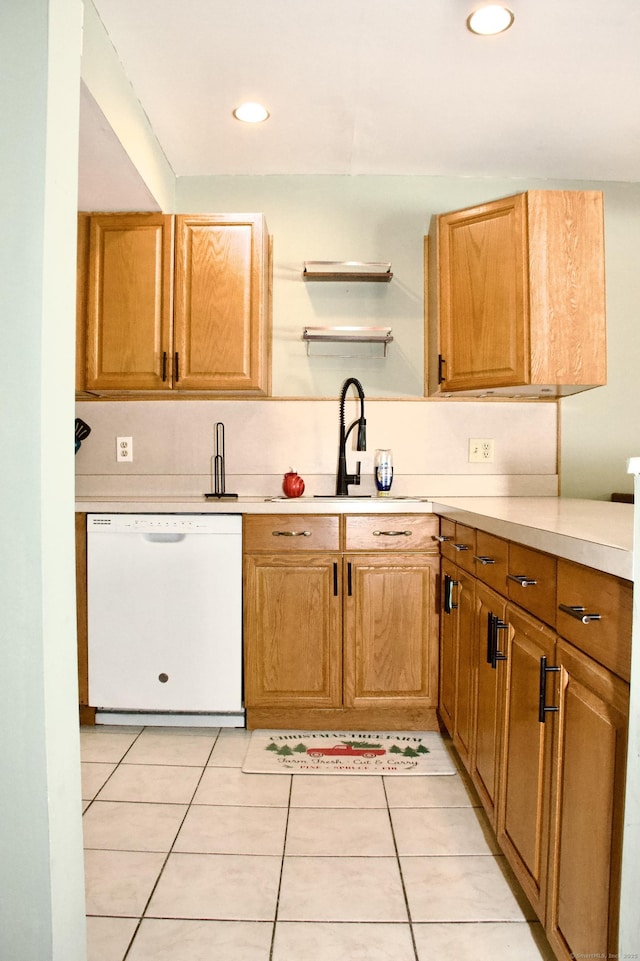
x,y
383,465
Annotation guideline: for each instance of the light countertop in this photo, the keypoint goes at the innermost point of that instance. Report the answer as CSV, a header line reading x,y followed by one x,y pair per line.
x,y
596,533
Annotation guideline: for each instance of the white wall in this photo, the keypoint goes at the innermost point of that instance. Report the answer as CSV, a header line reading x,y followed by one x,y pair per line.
x,y
601,428
41,876
385,218
105,81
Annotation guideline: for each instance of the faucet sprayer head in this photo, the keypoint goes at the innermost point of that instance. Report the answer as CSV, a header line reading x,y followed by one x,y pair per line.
x,y
362,434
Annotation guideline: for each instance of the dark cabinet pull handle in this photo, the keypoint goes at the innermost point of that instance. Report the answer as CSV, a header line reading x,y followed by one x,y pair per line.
x,y
484,560
164,366
449,585
579,613
461,547
441,363
494,624
490,637
349,580
441,538
543,707
522,580
392,533
335,578
176,366
498,655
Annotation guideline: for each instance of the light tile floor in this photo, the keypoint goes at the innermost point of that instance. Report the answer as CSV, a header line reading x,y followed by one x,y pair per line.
x,y
189,859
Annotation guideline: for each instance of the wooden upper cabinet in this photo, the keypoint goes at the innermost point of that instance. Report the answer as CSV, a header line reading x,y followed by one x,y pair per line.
x,y
517,296
221,303
128,303
174,303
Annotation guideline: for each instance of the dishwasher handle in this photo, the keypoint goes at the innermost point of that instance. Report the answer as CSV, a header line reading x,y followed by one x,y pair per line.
x,y
164,538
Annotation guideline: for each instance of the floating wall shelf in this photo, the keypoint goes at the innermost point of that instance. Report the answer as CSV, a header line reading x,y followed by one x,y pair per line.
x,y
336,270
380,336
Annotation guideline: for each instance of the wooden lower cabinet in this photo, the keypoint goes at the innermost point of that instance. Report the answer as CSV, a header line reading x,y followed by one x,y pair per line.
x,y
390,648
458,657
548,737
87,713
523,794
490,632
333,639
586,809
293,631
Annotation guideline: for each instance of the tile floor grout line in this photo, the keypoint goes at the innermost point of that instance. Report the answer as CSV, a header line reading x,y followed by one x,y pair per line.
x,y
404,888
117,765
284,848
166,859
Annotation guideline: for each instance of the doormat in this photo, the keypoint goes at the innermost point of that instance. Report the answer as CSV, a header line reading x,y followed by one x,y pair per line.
x,y
347,752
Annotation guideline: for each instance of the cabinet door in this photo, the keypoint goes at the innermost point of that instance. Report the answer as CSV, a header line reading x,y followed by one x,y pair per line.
x,y
587,811
449,590
220,313
292,630
523,807
483,314
490,652
128,303
391,630
466,670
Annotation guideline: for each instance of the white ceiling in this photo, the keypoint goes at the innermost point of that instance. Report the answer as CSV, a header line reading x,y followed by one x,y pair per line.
x,y
372,87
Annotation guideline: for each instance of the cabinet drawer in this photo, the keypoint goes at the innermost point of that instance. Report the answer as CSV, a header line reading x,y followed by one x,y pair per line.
x,y
491,557
391,532
446,538
291,532
531,581
464,548
607,640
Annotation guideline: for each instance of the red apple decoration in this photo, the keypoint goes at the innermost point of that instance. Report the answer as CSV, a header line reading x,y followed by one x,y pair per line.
x,y
292,484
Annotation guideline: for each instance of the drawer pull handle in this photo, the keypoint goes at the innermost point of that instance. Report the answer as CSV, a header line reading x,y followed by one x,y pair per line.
x,y
461,547
441,538
392,533
579,613
291,533
543,707
484,560
522,580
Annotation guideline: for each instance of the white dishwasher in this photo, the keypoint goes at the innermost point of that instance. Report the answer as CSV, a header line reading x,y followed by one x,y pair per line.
x,y
164,596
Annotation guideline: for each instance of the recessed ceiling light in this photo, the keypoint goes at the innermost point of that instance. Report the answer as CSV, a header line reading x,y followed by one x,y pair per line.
x,y
251,113
490,20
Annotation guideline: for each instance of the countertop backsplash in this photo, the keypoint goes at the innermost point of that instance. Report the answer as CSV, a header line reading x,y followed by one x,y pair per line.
x,y
174,444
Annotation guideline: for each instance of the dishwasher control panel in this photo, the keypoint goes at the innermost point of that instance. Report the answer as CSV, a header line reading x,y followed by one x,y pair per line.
x,y
164,523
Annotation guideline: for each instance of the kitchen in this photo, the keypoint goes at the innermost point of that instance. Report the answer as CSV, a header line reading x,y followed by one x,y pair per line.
x,y
587,470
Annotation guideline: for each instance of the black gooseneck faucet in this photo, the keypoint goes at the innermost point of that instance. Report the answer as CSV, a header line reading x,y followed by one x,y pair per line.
x,y
343,479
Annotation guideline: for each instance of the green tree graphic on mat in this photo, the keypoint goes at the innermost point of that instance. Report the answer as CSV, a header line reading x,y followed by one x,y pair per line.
x,y
421,749
285,750
272,747
300,748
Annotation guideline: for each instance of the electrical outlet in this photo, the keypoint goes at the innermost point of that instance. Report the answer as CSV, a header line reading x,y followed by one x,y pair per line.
x,y
124,449
480,450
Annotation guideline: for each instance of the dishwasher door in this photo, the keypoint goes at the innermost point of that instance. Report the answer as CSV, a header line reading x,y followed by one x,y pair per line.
x,y
164,594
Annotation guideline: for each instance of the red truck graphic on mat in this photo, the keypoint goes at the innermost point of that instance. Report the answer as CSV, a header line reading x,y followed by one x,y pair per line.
x,y
346,750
